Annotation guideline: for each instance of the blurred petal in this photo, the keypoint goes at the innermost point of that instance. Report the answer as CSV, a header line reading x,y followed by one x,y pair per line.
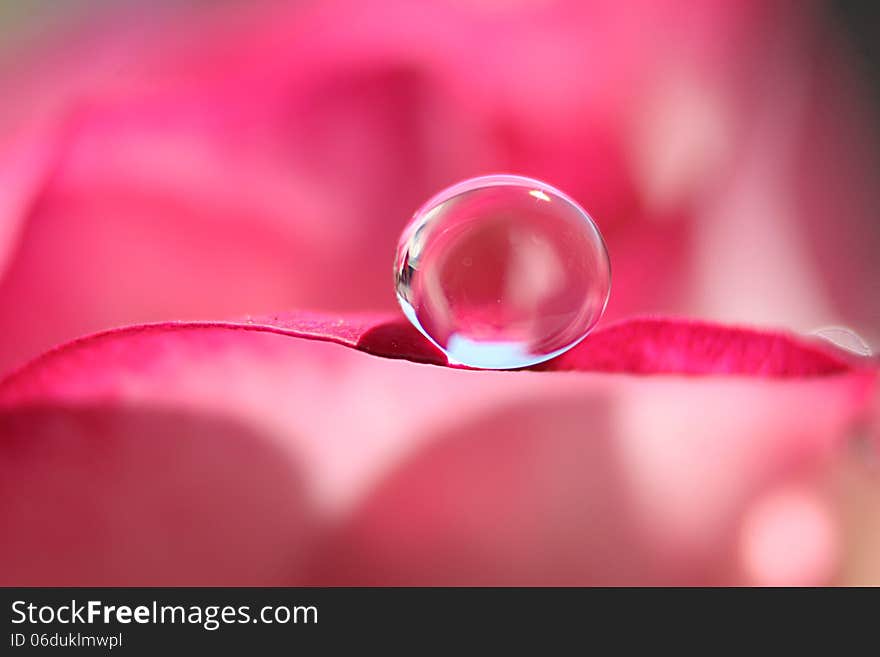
x,y
636,346
412,473
630,482
116,496
857,484
220,159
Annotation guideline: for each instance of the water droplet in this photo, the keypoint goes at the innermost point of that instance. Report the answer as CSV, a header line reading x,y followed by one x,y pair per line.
x,y
844,338
502,272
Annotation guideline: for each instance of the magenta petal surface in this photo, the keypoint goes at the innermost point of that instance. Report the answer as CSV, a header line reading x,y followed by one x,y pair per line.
x,y
261,452
637,346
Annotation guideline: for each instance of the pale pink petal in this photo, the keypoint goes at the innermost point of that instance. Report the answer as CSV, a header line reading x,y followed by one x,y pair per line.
x,y
418,473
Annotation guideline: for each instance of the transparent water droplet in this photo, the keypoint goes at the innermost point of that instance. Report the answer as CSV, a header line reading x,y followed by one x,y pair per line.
x,y
502,272
844,338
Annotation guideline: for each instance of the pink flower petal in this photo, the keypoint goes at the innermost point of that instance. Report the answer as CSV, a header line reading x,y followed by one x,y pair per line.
x,y
632,482
636,346
339,467
663,346
114,496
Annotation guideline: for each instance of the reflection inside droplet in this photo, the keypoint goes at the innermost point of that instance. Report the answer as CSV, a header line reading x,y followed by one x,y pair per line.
x,y
502,272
